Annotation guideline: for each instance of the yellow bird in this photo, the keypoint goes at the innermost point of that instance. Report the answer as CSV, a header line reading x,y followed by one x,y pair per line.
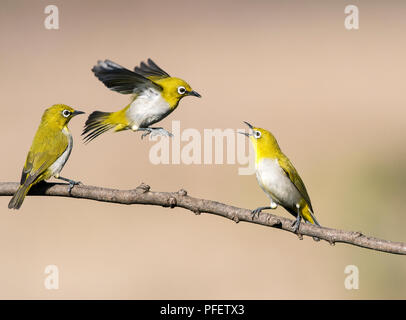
x,y
49,151
278,178
155,95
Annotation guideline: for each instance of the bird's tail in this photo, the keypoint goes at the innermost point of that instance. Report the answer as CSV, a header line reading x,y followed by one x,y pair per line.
x,y
97,123
308,215
18,198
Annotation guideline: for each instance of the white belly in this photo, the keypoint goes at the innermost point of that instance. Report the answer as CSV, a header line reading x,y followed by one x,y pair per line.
x,y
57,166
147,108
276,184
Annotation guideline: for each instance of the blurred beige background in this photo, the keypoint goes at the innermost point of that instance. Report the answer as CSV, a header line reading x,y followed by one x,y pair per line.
x,y
335,100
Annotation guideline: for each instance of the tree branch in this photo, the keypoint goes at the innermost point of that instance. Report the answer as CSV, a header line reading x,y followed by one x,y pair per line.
x,y
143,195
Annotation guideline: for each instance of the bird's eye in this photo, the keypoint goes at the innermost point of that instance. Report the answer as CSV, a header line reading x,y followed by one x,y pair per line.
x,y
257,134
66,113
181,90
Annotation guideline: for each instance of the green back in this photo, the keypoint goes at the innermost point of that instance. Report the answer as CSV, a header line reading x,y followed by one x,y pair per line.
x,y
291,172
48,145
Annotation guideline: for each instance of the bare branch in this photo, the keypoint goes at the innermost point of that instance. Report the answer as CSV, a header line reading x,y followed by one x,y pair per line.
x,y
143,195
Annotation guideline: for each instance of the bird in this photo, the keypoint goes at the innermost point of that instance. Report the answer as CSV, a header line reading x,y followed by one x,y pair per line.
x,y
50,149
155,94
278,178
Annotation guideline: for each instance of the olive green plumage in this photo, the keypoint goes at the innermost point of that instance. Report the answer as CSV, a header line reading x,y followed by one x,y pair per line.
x,y
278,178
49,151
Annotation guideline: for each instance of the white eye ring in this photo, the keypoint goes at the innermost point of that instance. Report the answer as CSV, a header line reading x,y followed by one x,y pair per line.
x,y
257,134
181,90
66,113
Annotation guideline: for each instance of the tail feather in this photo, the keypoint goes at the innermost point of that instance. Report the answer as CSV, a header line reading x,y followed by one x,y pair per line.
x,y
308,215
96,124
315,221
18,198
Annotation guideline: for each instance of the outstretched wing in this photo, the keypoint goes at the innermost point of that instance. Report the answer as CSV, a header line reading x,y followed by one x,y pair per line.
x,y
151,70
47,147
291,172
120,79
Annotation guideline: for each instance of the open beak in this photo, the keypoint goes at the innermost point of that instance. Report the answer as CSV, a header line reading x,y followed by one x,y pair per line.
x,y
245,133
250,126
194,93
76,112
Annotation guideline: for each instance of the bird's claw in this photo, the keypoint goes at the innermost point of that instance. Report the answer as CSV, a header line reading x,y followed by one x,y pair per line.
x,y
147,132
156,132
255,212
296,225
258,210
161,132
72,184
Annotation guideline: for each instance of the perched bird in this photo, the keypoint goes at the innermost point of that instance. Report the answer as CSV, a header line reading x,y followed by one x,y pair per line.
x,y
155,95
49,151
278,178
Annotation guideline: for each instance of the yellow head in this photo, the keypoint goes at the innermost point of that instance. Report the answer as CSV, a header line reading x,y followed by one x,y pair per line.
x,y
175,89
59,115
264,143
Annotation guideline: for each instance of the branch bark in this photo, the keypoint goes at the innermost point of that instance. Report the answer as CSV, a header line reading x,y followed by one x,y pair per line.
x,y
143,195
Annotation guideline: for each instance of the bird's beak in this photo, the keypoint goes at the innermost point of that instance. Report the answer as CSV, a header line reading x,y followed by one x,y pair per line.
x,y
76,112
250,126
245,133
194,93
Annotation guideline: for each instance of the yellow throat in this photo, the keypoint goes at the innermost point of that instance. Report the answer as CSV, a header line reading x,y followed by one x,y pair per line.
x,y
265,145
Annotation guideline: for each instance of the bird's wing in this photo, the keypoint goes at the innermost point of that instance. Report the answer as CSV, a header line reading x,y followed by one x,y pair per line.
x,y
151,70
47,147
291,172
120,79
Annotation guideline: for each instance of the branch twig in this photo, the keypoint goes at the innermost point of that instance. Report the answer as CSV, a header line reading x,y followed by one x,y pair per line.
x,y
143,195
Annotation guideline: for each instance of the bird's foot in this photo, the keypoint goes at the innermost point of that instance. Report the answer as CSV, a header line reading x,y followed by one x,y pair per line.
x,y
257,211
71,182
155,132
296,223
